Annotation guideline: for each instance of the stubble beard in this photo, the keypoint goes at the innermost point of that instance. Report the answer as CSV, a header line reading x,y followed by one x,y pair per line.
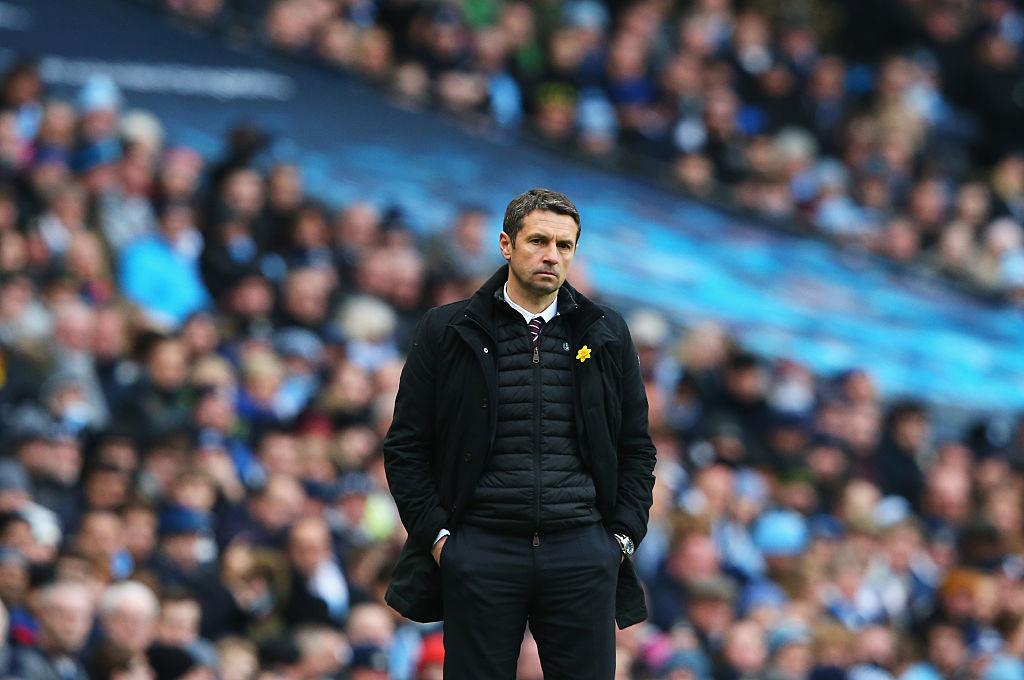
x,y
538,288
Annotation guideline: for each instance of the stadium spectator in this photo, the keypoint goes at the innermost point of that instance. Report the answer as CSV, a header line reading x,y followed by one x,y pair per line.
x,y
65,614
160,273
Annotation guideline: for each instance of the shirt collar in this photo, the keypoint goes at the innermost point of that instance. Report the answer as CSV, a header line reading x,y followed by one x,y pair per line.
x,y
547,314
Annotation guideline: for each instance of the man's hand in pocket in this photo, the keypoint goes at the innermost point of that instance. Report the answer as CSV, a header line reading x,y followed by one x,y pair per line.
x,y
438,547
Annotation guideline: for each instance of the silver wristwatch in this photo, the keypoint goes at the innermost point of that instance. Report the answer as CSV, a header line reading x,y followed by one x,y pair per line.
x,y
625,543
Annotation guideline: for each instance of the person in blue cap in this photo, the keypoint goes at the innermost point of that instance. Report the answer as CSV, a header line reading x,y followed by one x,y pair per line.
x,y
180,563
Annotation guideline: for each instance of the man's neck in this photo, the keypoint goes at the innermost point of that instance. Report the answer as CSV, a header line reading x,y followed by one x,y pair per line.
x,y
533,304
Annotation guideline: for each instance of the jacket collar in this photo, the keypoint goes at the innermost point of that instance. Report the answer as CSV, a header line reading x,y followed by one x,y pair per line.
x,y
579,310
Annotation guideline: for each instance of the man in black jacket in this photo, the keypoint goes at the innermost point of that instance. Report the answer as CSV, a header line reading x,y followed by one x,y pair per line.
x,y
521,464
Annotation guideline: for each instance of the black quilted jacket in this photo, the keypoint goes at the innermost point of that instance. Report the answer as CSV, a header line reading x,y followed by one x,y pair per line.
x,y
534,480
444,428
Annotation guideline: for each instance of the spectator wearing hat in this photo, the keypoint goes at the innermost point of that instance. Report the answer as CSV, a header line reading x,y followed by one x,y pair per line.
x,y
780,536
178,564
180,529
710,610
95,162
685,664
349,514
99,103
762,601
16,497
56,476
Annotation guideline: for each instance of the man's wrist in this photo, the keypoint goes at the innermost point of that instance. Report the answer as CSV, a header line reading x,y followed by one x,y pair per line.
x,y
441,534
625,544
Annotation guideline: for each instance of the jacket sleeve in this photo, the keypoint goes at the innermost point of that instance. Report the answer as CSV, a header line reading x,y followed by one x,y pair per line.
x,y
636,452
409,442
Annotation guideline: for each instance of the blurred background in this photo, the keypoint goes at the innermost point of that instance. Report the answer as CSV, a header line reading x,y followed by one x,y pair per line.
x,y
221,219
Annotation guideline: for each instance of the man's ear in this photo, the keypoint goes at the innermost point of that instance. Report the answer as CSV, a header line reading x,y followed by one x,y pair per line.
x,y
506,245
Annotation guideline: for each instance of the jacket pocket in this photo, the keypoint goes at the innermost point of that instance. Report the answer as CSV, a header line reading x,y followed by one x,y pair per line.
x,y
415,588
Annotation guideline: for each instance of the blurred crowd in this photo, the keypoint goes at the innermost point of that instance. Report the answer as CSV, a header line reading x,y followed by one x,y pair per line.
x,y
198,362
891,127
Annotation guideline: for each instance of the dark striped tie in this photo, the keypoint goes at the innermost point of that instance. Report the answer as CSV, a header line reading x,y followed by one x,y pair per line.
x,y
535,325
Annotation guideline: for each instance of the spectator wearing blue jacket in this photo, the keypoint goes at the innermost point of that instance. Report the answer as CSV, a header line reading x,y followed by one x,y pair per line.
x,y
160,273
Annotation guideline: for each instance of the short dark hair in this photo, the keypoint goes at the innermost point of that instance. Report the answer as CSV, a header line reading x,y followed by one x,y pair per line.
x,y
538,199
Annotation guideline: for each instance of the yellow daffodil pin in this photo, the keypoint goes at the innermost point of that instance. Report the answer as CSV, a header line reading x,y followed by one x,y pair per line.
x,y
583,354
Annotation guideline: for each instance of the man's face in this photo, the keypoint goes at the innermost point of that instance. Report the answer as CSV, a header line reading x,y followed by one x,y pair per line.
x,y
131,626
540,258
179,623
67,622
181,548
309,547
168,365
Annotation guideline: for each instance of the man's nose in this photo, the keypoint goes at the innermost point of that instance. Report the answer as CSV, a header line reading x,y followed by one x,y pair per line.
x,y
551,253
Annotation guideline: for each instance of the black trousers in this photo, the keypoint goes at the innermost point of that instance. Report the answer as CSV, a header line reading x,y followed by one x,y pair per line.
x,y
493,584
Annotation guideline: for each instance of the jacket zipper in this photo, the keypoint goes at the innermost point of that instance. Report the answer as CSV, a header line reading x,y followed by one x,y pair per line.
x,y
536,442
536,407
